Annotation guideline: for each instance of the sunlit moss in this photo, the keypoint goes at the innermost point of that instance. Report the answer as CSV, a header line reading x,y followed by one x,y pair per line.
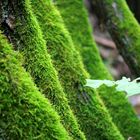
x,y
25,113
27,38
78,25
86,104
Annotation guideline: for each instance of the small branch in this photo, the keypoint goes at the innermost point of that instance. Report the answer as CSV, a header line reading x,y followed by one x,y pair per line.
x,y
105,42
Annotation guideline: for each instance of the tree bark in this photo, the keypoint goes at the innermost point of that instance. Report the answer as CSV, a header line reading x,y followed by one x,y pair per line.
x,y
124,30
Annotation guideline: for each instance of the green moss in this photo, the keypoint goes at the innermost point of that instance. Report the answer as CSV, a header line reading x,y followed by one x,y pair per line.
x,y
25,113
27,38
120,109
86,104
81,32
124,30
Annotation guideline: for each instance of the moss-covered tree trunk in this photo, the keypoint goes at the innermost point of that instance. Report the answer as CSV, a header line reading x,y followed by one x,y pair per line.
x,y
135,6
86,104
124,30
25,114
25,34
78,25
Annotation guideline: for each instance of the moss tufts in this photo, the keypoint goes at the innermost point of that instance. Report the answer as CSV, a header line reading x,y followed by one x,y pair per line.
x,y
120,109
86,104
24,112
27,38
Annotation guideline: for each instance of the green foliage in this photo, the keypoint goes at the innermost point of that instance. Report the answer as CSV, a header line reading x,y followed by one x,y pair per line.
x,y
25,114
76,20
93,117
125,84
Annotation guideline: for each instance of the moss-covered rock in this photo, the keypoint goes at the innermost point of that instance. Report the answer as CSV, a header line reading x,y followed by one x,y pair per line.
x,y
86,104
25,113
27,38
120,109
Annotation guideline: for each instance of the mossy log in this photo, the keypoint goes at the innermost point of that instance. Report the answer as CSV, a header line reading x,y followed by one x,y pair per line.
x,y
124,30
78,25
25,114
86,104
27,38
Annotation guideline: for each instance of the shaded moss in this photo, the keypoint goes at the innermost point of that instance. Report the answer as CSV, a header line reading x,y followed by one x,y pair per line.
x,y
27,38
124,30
81,32
86,104
25,113
120,109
